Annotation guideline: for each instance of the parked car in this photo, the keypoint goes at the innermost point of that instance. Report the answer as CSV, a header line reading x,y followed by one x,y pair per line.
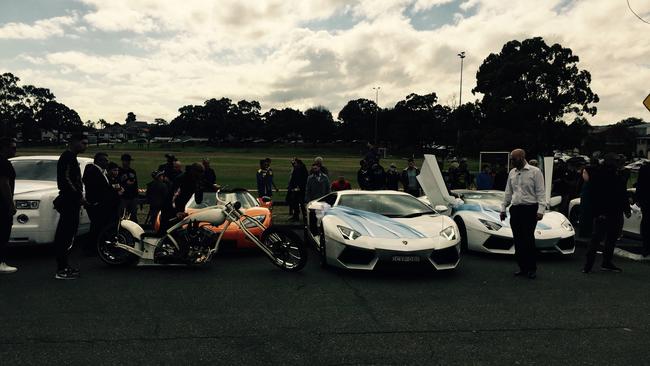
x,y
36,219
477,214
361,229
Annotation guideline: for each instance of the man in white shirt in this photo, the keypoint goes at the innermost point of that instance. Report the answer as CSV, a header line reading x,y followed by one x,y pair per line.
x,y
525,192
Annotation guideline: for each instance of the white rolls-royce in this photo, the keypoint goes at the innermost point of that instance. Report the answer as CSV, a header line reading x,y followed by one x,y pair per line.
x,y
36,219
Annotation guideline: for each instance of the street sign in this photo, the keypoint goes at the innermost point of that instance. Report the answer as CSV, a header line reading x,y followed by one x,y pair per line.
x,y
646,102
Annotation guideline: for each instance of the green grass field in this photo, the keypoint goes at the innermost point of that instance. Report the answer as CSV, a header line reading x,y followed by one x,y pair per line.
x,y
235,167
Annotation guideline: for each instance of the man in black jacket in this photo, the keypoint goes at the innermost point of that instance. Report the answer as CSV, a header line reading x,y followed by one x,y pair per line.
x,y
102,200
609,203
68,203
7,204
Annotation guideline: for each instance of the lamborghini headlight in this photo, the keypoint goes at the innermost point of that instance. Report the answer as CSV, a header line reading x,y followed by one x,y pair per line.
x,y
448,233
567,225
491,225
249,223
348,233
27,205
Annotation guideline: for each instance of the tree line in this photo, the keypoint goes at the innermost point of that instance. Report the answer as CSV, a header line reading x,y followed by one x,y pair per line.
x,y
528,91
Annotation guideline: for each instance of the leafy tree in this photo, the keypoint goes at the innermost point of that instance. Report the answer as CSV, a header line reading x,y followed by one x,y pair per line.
x,y
358,119
57,116
130,117
529,85
285,123
321,124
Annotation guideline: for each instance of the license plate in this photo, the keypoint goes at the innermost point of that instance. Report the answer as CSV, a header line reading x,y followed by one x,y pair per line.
x,y
405,258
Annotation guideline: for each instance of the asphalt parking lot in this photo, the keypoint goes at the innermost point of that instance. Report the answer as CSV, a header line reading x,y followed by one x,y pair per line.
x,y
239,309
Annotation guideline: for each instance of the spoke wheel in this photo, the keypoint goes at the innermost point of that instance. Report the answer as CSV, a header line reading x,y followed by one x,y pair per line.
x,y
106,246
289,253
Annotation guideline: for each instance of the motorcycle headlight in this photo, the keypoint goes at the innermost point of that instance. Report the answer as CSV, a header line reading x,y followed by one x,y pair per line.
x,y
567,225
448,233
348,233
249,223
491,225
27,204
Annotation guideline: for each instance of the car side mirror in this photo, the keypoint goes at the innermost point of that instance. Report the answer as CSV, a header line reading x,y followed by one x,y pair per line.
x,y
441,208
266,199
237,205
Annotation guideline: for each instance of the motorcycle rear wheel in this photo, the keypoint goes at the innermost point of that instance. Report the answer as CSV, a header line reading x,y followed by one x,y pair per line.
x,y
109,253
288,250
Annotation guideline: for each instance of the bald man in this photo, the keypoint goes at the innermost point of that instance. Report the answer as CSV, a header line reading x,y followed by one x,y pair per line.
x,y
526,197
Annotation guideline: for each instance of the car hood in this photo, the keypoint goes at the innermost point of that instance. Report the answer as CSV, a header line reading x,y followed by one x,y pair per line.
x,y
490,213
375,225
34,186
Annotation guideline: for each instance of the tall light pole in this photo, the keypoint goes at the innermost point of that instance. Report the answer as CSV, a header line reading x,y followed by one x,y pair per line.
x,y
460,95
460,99
376,89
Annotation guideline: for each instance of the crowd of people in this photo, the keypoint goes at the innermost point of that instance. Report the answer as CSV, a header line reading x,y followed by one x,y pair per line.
x,y
108,190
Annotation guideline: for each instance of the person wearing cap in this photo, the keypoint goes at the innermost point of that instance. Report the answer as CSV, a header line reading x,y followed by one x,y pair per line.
x,y
392,178
157,192
129,182
409,179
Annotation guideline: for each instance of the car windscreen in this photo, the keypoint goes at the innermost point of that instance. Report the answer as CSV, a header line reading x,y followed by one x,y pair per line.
x,y
487,199
35,169
391,205
210,199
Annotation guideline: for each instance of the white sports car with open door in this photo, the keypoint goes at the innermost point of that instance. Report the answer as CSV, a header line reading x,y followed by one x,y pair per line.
x,y
361,229
477,215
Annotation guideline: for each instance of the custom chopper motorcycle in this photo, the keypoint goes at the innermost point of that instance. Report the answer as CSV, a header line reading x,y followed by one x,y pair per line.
x,y
192,240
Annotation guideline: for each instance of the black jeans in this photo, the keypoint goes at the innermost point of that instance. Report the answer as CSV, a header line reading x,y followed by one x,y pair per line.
x,y
608,227
100,216
66,230
645,230
6,222
523,220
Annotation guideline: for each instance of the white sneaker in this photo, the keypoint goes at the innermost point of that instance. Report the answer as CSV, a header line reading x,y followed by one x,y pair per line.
x,y
6,269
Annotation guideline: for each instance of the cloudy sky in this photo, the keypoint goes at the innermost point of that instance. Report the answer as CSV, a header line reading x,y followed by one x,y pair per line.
x,y
106,58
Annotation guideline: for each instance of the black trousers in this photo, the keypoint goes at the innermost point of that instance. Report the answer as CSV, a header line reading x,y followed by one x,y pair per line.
x,y
523,220
100,216
606,227
645,230
6,222
66,230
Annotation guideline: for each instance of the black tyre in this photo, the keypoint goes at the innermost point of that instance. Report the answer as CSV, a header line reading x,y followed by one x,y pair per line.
x,y
322,250
463,235
111,254
288,250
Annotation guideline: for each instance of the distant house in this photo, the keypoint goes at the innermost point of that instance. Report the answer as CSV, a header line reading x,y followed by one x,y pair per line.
x,y
137,130
112,133
642,138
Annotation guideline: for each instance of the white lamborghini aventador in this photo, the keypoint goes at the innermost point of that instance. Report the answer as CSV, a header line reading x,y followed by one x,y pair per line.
x,y
477,215
361,229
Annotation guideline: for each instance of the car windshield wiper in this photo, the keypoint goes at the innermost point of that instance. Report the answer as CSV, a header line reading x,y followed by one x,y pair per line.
x,y
416,214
